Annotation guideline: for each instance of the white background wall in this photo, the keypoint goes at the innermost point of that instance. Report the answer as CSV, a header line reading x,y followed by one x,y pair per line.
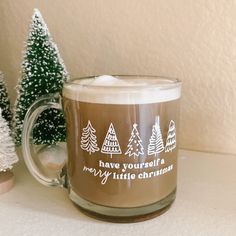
x,y
192,40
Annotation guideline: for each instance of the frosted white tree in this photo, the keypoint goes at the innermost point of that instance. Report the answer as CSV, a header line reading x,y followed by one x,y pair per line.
x,y
135,147
171,137
111,144
89,139
7,147
156,145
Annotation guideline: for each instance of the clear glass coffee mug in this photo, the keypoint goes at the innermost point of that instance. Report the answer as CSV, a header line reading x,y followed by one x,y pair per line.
x,y
122,143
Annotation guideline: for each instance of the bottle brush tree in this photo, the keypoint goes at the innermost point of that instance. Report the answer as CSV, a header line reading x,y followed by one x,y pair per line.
x,y
4,101
7,147
43,72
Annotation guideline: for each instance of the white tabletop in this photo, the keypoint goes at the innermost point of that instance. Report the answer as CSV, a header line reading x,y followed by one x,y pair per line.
x,y
205,205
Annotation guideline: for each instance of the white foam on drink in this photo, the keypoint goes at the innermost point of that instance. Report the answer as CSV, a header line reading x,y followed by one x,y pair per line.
x,y
122,90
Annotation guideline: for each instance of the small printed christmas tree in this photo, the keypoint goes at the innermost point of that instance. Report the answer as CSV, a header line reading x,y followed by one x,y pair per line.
x,y
43,72
135,147
4,101
111,144
7,147
89,139
171,137
156,142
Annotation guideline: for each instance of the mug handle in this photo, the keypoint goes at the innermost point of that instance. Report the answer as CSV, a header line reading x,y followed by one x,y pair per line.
x,y
40,105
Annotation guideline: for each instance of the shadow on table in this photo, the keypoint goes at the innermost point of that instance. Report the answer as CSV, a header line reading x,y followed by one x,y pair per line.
x,y
28,193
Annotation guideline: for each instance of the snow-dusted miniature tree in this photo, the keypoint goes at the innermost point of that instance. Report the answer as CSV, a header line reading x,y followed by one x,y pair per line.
x,y
156,145
135,147
7,147
111,144
89,139
43,72
171,137
4,101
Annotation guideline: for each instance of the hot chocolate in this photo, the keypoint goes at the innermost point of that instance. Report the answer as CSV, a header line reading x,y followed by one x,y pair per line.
x,y
122,139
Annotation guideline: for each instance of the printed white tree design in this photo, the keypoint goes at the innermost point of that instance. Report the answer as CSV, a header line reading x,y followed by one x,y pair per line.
x,y
135,147
89,139
156,145
111,144
171,137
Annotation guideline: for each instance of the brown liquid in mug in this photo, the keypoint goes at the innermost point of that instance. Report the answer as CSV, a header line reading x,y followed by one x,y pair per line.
x,y
118,178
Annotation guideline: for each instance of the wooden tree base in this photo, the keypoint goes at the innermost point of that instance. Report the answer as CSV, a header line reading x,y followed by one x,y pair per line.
x,y
6,181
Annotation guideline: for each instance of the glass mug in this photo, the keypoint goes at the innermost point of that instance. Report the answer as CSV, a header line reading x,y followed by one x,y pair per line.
x,y
122,144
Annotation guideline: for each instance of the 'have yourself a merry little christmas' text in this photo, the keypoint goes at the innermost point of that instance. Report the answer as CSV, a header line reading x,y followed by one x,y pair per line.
x,y
105,174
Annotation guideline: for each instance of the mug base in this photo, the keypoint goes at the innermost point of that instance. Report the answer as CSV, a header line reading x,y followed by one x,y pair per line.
x,y
123,215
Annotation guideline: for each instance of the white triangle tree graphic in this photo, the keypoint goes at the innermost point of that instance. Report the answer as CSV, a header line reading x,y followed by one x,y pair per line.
x,y
156,145
135,147
110,143
89,139
171,137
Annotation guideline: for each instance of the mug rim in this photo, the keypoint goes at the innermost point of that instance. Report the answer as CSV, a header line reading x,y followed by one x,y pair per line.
x,y
168,82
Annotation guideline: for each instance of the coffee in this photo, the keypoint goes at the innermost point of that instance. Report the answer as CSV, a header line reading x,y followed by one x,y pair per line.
x,y
122,140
